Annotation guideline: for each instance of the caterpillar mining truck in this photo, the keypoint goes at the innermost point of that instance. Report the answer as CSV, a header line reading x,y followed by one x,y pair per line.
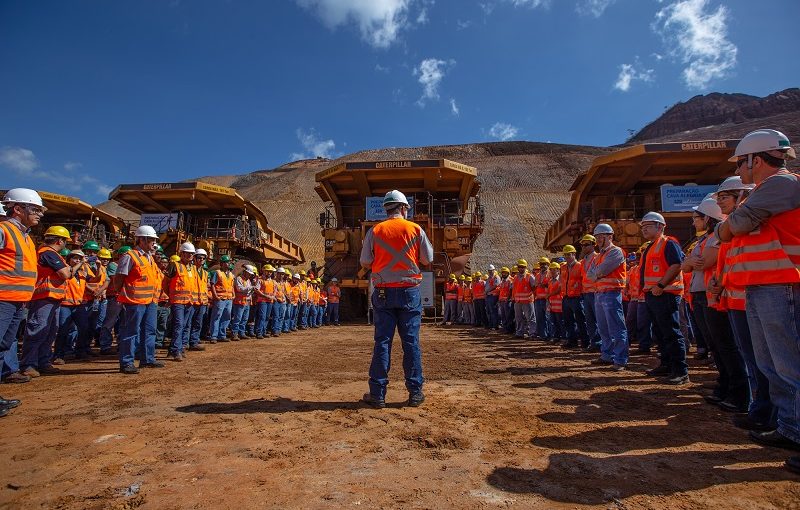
x,y
215,218
84,221
444,201
619,188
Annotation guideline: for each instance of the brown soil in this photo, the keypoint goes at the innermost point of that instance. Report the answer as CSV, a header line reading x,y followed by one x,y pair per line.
x,y
275,423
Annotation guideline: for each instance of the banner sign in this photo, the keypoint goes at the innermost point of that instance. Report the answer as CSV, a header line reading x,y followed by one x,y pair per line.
x,y
426,289
160,222
376,212
683,198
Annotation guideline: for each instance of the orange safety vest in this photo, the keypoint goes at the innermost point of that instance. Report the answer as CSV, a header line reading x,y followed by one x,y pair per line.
x,y
634,286
468,293
280,292
522,288
48,284
542,283
657,266
323,298
201,294
240,298
554,290
732,296
769,255
572,278
183,286
505,289
267,287
75,289
479,289
450,291
713,301
615,280
224,285
334,293
18,269
93,286
396,253
460,292
141,284
163,296
587,285
294,294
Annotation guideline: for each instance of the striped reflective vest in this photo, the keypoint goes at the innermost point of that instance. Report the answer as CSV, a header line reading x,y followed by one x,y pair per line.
x,y
588,262
634,285
91,287
522,288
542,285
572,278
770,255
294,294
224,285
267,287
183,285
505,289
241,291
479,289
17,264
396,253
460,292
141,285
334,293
48,284
450,291
468,293
732,296
554,291
75,289
201,294
656,267
323,298
615,280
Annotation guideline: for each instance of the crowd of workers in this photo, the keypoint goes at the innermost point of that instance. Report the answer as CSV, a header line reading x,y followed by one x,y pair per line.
x,y
734,292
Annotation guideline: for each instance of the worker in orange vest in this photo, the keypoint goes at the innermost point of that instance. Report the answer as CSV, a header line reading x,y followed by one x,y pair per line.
x,y
637,319
73,316
450,300
460,298
571,277
479,299
555,299
492,312
765,238
504,300
608,275
199,300
469,305
243,289
588,259
279,307
182,283
542,278
394,250
522,288
136,284
163,310
334,296
221,282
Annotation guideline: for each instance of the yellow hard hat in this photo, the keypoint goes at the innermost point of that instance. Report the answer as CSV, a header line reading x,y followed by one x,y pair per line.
x,y
568,248
477,273
504,270
268,267
104,253
461,277
543,260
174,258
302,272
308,279
57,231
555,265
522,263
514,268
588,238
469,278
452,276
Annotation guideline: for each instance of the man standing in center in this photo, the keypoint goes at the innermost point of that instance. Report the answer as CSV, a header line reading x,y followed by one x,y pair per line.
x,y
393,250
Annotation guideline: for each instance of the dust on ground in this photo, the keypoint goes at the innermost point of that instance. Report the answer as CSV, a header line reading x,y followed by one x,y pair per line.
x,y
275,423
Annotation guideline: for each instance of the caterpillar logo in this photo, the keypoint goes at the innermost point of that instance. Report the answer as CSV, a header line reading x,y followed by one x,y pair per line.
x,y
702,146
393,164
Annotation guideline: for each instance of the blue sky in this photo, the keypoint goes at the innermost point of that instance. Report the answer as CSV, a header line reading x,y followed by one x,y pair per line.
x,y
95,93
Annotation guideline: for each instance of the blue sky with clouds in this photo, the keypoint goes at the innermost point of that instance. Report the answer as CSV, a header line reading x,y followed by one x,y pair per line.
x,y
95,93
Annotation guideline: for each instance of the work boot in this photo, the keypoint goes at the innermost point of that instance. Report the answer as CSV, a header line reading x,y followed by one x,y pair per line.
x,y
31,372
259,337
175,357
618,368
678,380
59,361
747,423
155,364
235,337
372,401
659,371
49,370
225,339
416,399
16,377
107,352
197,347
129,370
775,439
9,403
601,361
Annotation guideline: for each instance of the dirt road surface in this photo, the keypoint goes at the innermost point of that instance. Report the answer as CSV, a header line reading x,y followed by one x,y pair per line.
x,y
275,423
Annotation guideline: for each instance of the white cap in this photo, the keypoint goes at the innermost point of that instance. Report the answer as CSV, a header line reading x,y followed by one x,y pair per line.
x,y
201,251
187,248
250,269
296,275
491,267
603,228
146,231
654,217
76,252
22,196
709,207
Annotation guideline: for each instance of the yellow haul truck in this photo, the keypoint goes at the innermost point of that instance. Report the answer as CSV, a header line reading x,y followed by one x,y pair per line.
x,y
84,221
444,201
215,218
619,188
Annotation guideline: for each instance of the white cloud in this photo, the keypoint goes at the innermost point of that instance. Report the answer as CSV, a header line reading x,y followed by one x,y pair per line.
x,y
463,25
531,3
382,69
594,8
454,107
699,39
422,17
312,146
379,21
24,163
430,74
503,131
632,72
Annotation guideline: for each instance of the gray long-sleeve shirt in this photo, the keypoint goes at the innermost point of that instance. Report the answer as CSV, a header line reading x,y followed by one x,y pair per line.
x,y
778,193
613,259
368,249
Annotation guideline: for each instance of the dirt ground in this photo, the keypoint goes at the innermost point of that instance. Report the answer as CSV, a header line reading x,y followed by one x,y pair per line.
x,y
275,423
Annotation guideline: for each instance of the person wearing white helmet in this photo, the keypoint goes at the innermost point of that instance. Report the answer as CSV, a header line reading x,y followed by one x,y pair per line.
x,y
393,251
200,301
765,239
242,300
608,276
221,282
181,278
334,294
135,282
661,281
492,298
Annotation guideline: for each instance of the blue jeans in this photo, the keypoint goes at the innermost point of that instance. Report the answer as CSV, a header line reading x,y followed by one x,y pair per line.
x,y
507,312
40,329
643,325
491,311
113,310
543,325
69,317
197,324
396,308
278,312
663,312
611,325
574,320
220,318
557,320
137,334
289,317
523,315
181,327
592,334
239,316
450,310
773,314
761,408
264,311
162,323
11,315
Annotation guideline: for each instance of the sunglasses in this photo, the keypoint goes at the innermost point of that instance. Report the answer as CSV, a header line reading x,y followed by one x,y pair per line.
x,y
740,162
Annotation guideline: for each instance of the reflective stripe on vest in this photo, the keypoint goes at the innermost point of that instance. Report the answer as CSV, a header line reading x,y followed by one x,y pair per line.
x,y
334,294
139,286
573,280
74,289
88,294
183,285
241,298
48,284
615,280
450,291
224,285
468,294
732,296
396,252
656,267
268,288
505,289
542,283
768,255
522,289
201,279
18,269
479,290
588,262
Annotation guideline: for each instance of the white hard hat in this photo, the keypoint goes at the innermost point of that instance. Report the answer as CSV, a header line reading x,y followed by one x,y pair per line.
x,y
22,196
76,252
394,197
654,217
603,228
709,207
201,251
770,141
187,248
281,270
491,267
146,231
296,275
250,269
734,184
334,279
